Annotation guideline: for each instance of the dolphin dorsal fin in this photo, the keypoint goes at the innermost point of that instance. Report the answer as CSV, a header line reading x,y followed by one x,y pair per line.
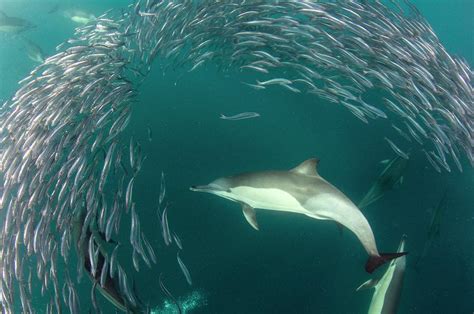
x,y
307,167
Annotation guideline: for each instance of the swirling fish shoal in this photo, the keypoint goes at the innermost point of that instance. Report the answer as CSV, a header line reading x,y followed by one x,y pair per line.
x,y
60,130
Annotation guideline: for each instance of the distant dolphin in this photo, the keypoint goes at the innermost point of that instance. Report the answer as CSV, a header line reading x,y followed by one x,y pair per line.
x,y
13,25
390,176
299,190
78,16
110,290
434,227
389,287
34,52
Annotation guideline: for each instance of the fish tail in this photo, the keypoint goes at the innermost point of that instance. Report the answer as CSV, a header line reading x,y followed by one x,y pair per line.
x,y
376,261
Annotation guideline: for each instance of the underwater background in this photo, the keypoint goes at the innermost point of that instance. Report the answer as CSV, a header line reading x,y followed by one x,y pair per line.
x,y
293,264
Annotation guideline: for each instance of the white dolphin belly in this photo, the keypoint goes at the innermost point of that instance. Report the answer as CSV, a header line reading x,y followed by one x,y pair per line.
x,y
388,288
267,198
9,28
80,19
378,299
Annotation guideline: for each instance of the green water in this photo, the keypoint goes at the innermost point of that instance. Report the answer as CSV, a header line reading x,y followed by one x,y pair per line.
x,y
294,264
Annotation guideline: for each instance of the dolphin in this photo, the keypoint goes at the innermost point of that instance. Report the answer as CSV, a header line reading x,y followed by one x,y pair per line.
x,y
300,190
434,227
13,25
78,16
110,289
390,176
389,287
34,52
435,222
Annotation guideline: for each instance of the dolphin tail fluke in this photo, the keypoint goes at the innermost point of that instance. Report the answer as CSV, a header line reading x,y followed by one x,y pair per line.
x,y
376,261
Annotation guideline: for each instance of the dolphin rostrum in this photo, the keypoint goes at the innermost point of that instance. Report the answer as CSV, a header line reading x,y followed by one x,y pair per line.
x,y
299,190
388,288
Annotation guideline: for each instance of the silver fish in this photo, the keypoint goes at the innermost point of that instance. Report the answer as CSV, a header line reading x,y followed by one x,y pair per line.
x,y
184,269
164,227
397,150
162,189
240,116
177,240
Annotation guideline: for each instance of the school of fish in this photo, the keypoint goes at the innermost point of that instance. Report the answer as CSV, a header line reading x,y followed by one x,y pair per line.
x,y
65,162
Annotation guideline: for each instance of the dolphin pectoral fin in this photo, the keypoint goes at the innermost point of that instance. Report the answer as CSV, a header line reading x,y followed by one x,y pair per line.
x,y
249,214
371,283
376,261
